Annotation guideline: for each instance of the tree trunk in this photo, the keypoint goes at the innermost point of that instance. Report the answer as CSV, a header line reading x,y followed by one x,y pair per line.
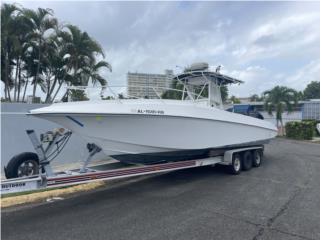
x,y
16,81
25,89
277,124
35,83
5,91
8,93
34,86
7,87
65,95
48,89
282,132
53,86
19,82
60,84
75,73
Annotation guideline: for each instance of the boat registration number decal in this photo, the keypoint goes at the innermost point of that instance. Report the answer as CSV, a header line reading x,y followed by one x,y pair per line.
x,y
150,111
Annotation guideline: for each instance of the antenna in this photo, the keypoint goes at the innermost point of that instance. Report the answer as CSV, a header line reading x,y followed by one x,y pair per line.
x,y
218,69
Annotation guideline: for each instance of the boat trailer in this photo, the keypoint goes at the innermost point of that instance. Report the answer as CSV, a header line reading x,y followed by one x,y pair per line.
x,y
39,175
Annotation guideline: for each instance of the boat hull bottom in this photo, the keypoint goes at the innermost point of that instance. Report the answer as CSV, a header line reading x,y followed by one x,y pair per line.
x,y
173,156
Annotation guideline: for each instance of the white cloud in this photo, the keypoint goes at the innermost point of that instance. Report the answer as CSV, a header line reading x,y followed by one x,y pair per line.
x,y
285,27
281,36
256,80
264,44
303,76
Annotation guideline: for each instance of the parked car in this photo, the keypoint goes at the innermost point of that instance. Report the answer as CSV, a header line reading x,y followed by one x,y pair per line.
x,y
248,110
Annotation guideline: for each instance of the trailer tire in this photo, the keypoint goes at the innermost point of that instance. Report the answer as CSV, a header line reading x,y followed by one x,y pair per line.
x,y
247,160
21,165
257,158
236,165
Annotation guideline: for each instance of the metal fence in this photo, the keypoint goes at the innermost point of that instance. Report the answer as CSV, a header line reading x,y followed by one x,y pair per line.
x,y
311,110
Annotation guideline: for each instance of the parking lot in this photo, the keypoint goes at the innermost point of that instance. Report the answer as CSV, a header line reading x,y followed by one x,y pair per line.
x,y
279,200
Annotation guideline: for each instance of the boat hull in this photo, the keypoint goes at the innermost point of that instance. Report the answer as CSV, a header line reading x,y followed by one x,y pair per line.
x,y
151,138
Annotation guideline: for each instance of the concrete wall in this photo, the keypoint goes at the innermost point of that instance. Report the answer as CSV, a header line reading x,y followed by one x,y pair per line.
x,y
14,139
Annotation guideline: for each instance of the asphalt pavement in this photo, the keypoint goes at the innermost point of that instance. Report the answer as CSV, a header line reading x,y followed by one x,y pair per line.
x,y
279,200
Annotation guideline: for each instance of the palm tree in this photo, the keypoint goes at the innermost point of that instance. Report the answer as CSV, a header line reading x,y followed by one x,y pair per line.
x,y
90,74
8,39
29,67
21,49
82,50
255,98
53,66
93,74
41,21
34,48
280,99
59,62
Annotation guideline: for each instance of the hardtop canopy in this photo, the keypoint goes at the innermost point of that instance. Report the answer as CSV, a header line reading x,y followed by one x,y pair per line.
x,y
202,77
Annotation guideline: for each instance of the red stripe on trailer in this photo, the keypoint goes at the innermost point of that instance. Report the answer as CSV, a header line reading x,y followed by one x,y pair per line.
x,y
69,181
151,168
110,174
116,173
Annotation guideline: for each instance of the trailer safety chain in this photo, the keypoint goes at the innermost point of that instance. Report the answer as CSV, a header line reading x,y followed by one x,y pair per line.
x,y
60,144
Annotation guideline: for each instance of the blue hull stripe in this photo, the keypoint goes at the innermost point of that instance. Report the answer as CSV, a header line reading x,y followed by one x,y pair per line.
x,y
75,120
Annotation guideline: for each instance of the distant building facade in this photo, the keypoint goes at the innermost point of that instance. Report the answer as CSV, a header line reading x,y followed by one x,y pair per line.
x,y
146,85
31,99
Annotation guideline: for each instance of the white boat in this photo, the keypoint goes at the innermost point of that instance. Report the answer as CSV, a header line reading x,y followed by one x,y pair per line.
x,y
154,130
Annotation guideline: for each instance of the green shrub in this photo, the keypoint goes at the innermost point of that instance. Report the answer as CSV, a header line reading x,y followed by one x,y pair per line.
x,y
314,122
300,130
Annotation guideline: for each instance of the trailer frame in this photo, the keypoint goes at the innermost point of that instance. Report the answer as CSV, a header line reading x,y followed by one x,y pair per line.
x,y
49,179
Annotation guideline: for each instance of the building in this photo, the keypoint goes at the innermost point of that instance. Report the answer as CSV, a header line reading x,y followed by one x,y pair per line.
x,y
146,85
31,99
311,109
244,99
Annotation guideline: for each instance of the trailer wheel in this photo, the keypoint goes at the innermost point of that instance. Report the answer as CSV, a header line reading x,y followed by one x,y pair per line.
x,y
22,165
257,158
236,164
247,160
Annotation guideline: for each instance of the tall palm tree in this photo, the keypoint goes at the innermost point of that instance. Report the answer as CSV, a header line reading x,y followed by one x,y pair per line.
x,y
34,48
29,67
41,21
280,99
52,64
81,53
61,62
82,50
8,39
21,48
93,73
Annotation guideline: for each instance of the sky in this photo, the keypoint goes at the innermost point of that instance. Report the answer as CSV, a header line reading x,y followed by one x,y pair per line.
x,y
262,43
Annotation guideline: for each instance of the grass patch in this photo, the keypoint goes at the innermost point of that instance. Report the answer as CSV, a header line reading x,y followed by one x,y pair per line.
x,y
42,194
